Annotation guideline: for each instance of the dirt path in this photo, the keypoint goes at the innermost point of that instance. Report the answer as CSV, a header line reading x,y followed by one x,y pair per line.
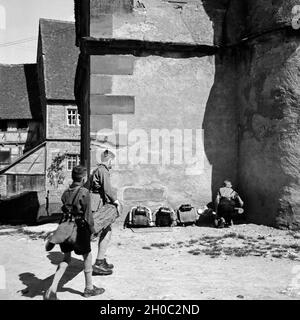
x,y
243,262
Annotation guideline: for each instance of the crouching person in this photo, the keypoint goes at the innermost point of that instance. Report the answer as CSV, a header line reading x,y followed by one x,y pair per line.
x,y
226,201
76,199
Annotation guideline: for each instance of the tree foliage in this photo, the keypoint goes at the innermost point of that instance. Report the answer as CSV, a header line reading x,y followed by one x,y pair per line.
x,y
55,172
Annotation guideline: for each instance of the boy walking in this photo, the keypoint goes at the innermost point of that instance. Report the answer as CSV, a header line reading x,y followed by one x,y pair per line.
x,y
101,192
79,198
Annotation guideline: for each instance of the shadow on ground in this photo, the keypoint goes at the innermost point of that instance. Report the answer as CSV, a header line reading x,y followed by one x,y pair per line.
x,y
37,287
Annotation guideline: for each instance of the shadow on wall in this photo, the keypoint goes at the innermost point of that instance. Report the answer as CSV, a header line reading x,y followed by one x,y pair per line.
x,y
220,122
30,208
20,209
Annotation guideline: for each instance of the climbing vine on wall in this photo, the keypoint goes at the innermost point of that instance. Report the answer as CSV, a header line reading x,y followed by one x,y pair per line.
x,y
55,172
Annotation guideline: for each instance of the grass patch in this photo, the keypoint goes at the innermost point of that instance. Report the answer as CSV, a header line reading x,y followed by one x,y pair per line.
x,y
277,255
230,235
194,252
292,257
217,249
207,251
266,248
240,253
228,251
295,235
160,245
257,252
209,238
295,246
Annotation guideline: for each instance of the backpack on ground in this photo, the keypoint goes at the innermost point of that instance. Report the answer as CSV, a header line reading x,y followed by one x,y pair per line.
x,y
187,214
140,217
165,217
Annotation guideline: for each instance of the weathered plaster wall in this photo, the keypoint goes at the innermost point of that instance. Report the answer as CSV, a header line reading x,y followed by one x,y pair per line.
x,y
174,94
196,21
168,93
245,98
269,97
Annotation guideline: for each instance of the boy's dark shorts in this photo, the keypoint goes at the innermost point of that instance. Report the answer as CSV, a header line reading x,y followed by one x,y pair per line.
x,y
83,241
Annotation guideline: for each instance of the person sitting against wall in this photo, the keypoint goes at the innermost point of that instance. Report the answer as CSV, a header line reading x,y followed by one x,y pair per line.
x,y
227,202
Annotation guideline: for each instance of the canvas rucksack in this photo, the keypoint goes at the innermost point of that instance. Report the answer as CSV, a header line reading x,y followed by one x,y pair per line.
x,y
164,217
140,217
69,209
187,214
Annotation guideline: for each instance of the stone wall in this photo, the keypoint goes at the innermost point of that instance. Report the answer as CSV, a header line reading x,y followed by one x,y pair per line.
x,y
268,98
170,96
140,97
57,125
245,99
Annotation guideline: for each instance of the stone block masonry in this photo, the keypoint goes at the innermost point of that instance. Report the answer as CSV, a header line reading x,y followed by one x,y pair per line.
x,y
244,98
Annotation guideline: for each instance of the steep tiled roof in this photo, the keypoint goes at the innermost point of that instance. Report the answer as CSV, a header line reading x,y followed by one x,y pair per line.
x,y
59,58
19,92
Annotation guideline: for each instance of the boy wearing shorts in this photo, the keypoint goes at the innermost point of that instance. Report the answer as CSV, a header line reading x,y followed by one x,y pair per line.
x,y
79,197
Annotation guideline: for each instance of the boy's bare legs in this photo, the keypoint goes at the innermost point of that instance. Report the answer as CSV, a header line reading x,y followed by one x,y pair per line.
x,y
104,241
87,260
62,267
101,267
90,290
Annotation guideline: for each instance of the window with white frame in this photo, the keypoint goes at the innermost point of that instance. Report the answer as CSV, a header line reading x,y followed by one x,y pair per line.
x,y
72,161
73,117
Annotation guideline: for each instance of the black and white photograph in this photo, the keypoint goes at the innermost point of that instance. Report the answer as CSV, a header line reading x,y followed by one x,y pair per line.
x,y
150,150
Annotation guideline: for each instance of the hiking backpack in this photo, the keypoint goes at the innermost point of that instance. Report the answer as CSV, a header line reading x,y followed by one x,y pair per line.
x,y
69,209
140,217
187,214
164,217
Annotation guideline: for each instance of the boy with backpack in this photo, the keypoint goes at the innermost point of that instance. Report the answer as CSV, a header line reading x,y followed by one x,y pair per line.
x,y
76,205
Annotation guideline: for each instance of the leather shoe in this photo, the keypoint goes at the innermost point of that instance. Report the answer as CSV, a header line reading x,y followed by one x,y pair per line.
x,y
101,270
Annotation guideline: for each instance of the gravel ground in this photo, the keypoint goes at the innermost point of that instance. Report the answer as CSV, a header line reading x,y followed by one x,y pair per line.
x,y
241,262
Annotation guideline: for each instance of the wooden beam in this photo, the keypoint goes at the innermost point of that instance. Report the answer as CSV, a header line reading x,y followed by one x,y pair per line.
x,y
101,46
